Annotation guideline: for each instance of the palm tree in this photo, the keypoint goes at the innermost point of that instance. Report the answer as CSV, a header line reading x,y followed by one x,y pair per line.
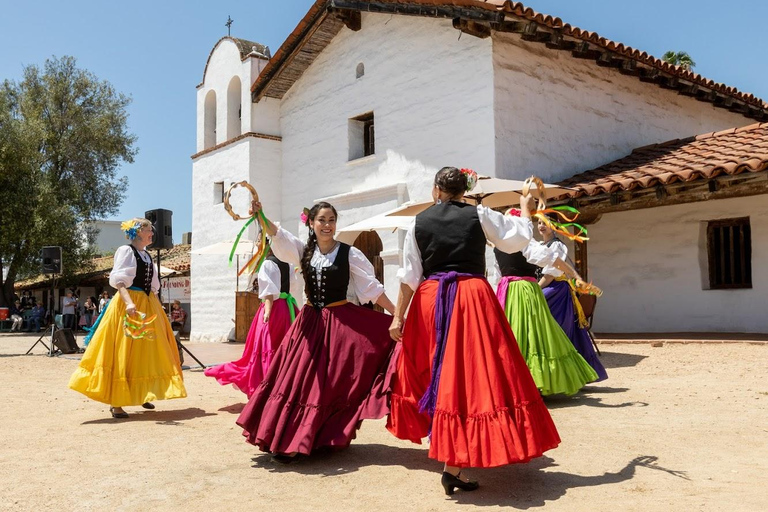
x,y
681,59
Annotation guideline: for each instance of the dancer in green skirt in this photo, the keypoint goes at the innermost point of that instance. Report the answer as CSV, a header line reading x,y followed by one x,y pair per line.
x,y
554,363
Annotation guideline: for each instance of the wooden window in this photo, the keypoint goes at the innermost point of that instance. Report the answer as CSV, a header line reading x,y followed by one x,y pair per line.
x,y
361,136
729,250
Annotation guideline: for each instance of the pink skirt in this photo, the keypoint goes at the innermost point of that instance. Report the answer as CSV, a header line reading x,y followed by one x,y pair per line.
x,y
260,345
333,370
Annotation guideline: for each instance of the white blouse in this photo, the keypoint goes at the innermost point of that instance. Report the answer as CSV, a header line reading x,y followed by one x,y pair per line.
x,y
289,249
535,253
509,234
561,251
269,281
124,268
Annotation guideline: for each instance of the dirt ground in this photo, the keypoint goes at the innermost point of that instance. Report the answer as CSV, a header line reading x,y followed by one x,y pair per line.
x,y
679,427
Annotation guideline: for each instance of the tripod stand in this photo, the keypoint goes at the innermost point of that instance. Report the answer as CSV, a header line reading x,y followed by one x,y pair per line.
x,y
49,314
176,333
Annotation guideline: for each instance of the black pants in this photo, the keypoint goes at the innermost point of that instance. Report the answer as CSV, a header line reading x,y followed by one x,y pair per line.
x,y
68,321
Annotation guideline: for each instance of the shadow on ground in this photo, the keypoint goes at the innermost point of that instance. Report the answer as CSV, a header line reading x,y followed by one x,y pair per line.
x,y
521,486
620,360
170,417
586,398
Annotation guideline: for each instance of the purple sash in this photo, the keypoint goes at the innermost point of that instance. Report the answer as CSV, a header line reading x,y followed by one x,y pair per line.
x,y
446,296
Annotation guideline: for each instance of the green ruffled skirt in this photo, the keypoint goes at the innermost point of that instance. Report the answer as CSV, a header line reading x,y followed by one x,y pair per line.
x,y
556,366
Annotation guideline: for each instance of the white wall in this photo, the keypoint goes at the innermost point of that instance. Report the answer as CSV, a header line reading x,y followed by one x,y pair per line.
x,y
648,264
420,80
557,116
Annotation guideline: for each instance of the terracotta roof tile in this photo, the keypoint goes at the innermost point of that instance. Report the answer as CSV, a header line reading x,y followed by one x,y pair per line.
x,y
732,151
319,13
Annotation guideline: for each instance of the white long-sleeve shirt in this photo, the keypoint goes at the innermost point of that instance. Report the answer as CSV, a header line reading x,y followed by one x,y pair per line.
x,y
507,233
560,251
289,249
124,268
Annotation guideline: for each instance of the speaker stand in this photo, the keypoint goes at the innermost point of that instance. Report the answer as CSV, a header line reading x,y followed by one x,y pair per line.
x,y
46,332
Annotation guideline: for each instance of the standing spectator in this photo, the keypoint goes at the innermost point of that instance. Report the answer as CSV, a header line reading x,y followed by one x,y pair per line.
x,y
37,318
68,311
178,316
89,308
16,316
103,301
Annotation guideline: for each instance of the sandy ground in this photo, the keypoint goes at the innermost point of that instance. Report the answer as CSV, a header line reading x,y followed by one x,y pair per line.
x,y
677,427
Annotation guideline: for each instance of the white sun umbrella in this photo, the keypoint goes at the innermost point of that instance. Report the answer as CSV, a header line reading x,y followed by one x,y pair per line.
x,y
491,192
166,272
383,222
244,248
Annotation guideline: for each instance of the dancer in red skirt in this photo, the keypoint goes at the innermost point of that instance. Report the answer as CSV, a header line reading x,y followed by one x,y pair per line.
x,y
461,377
333,368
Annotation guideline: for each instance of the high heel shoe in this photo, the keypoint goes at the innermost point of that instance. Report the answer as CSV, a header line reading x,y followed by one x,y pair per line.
x,y
118,415
451,482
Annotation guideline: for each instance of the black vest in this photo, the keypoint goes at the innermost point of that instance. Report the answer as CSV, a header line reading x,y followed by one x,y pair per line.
x,y
144,272
450,238
334,280
514,264
285,274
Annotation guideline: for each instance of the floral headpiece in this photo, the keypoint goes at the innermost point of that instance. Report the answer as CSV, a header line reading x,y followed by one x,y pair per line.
x,y
471,178
305,216
130,228
514,212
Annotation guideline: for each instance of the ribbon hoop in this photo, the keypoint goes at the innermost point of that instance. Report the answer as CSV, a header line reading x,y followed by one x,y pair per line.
x,y
567,214
258,258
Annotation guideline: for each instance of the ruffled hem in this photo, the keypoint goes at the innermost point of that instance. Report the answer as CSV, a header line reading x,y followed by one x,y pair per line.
x,y
566,374
507,435
99,385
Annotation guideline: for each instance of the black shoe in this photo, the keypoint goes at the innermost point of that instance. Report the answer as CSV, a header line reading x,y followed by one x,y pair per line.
x,y
451,482
282,458
148,405
119,415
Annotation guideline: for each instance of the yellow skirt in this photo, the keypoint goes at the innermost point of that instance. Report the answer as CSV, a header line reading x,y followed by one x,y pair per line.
x,y
118,370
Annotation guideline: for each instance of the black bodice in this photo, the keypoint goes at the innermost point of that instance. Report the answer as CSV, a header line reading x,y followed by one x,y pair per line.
x,y
144,272
334,280
450,238
285,273
514,264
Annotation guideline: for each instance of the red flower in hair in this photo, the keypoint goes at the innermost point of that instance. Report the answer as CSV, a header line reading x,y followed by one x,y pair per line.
x,y
514,212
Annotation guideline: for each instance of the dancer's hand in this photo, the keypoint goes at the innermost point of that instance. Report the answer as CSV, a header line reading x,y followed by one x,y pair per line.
x,y
255,208
396,329
527,205
131,310
266,316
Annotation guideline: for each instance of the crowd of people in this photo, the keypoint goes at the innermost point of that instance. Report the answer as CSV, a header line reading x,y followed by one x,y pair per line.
x,y
453,361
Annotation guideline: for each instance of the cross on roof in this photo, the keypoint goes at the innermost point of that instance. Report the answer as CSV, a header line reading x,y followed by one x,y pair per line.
x,y
228,24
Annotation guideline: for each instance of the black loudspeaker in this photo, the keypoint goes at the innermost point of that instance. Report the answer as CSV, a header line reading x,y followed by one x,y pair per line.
x,y
64,340
163,228
51,257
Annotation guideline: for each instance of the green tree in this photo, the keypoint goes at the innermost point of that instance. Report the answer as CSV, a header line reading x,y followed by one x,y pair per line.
x,y
63,136
681,59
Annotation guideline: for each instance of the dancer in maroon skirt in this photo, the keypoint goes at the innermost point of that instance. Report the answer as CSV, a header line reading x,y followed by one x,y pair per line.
x,y
333,368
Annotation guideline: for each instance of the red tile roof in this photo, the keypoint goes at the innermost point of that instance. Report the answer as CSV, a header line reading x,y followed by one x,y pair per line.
x,y
732,151
294,58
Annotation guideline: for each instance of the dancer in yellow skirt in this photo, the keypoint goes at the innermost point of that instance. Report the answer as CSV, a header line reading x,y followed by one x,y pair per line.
x,y
131,357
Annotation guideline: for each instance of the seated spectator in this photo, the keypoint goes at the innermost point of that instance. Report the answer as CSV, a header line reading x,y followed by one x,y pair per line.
x,y
16,316
37,318
178,316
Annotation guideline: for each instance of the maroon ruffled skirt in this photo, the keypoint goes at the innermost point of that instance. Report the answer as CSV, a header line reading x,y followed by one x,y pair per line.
x,y
332,370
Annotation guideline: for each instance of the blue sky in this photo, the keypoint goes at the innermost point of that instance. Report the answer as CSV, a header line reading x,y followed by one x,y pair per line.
x,y
155,51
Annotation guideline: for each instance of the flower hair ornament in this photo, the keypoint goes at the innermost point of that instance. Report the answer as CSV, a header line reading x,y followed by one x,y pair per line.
x,y
471,178
305,216
130,228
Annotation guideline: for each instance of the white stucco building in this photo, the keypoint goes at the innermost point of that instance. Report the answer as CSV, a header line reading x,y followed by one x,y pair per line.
x,y
363,103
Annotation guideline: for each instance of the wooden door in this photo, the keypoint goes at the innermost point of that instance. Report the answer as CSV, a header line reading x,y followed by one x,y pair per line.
x,y
246,305
370,245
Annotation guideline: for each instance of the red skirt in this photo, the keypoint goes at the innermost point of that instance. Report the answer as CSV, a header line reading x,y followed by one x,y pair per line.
x,y
332,370
488,412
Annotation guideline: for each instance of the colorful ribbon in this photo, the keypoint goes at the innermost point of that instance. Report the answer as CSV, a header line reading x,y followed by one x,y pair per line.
x,y
141,328
293,306
562,227
254,264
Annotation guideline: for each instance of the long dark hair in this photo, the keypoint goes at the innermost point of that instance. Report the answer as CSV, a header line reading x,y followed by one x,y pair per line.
x,y
309,248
